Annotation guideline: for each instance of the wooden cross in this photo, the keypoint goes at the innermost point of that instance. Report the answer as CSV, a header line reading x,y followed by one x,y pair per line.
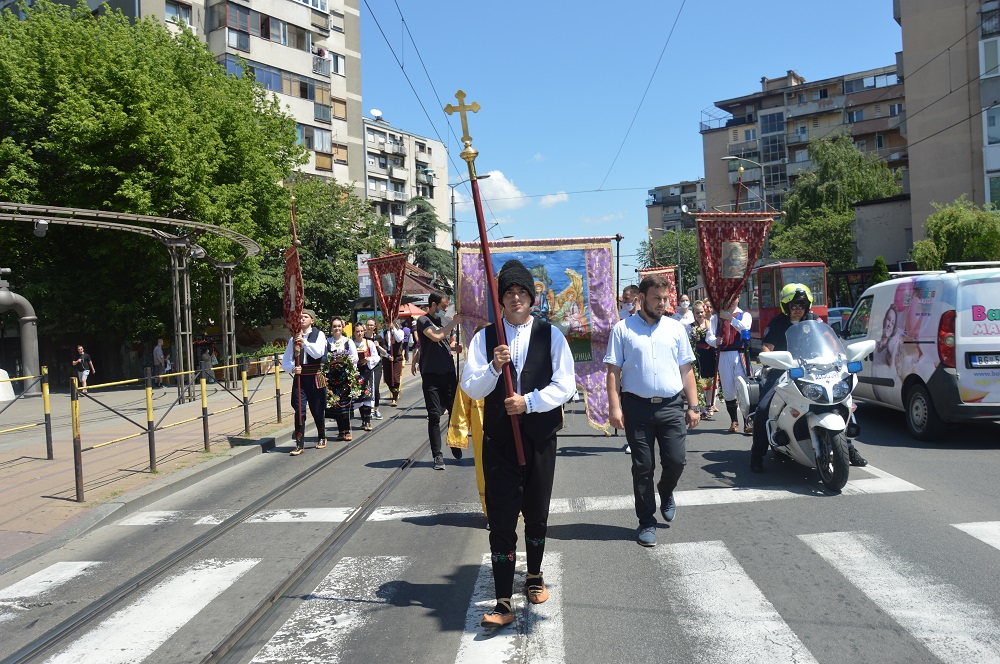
x,y
462,109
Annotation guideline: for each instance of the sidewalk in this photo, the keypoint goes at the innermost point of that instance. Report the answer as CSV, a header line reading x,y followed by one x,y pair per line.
x,y
39,496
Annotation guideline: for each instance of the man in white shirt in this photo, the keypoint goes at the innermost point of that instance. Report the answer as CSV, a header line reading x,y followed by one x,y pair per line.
x,y
649,361
544,379
307,384
725,332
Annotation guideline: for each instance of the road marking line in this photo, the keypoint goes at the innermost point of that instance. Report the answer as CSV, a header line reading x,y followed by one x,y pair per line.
x,y
536,634
303,515
953,627
135,632
38,584
984,531
722,609
344,601
155,517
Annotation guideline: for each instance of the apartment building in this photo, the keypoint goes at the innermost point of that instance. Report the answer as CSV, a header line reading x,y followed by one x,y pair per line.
x,y
665,206
951,61
768,132
308,52
400,165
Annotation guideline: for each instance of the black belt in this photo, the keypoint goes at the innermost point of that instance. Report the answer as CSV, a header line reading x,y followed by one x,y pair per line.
x,y
653,400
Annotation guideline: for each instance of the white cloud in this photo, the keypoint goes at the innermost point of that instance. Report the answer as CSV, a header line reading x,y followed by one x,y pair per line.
x,y
539,157
549,200
498,193
606,219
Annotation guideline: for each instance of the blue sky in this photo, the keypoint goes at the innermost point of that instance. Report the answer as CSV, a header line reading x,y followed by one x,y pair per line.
x,y
559,84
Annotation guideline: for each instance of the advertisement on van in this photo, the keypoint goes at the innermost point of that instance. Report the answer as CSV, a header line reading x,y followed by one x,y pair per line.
x,y
978,329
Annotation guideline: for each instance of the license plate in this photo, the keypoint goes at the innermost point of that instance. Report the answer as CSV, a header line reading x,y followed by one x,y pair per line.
x,y
985,360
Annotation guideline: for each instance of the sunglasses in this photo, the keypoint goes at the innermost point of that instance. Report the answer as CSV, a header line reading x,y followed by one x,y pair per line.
x,y
796,306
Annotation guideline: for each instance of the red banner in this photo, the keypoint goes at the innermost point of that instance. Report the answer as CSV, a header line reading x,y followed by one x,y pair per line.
x,y
294,297
387,280
670,272
729,243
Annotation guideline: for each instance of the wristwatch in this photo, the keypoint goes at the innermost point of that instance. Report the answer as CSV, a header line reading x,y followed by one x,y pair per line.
x,y
694,409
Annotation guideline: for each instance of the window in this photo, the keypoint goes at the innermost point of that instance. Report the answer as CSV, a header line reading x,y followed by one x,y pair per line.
x,y
895,109
321,66
772,123
856,116
750,135
879,141
422,147
878,110
321,113
801,156
339,108
870,82
766,290
371,159
995,192
820,94
314,138
423,190
993,128
336,21
857,326
815,123
802,98
773,148
337,64
178,13
988,58
299,38
861,145
239,40
324,162
736,135
775,176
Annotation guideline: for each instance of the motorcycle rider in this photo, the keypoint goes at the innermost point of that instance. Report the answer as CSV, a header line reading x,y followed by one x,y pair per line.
x,y
796,301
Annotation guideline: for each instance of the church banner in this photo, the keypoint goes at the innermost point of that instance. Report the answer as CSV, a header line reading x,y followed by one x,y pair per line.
x,y
574,291
670,272
387,280
729,243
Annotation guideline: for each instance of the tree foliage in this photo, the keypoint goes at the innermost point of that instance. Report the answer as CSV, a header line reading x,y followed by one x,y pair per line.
x,y
422,226
665,248
961,231
100,113
817,225
880,272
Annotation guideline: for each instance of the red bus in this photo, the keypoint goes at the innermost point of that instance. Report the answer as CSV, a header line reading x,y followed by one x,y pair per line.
x,y
760,296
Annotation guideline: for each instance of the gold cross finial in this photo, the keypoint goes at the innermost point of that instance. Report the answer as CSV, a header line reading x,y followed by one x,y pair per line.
x,y
462,109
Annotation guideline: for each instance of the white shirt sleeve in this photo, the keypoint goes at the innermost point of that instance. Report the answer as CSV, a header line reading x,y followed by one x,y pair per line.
x,y
288,359
614,353
742,320
373,354
479,377
710,337
563,384
397,334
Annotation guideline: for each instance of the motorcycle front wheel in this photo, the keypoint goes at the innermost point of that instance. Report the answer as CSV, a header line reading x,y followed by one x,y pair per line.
x,y
833,464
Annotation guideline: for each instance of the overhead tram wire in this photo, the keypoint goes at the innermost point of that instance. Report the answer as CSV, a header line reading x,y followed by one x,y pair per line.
x,y
414,89
645,92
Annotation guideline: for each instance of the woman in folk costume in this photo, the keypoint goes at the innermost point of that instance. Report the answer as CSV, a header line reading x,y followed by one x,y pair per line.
x,y
342,378
396,343
544,379
308,384
724,333
368,357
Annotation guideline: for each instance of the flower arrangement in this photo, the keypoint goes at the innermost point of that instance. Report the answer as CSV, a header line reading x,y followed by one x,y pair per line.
x,y
342,374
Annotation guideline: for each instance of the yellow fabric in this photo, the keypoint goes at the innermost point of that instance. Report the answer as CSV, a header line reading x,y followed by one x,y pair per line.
x,y
466,418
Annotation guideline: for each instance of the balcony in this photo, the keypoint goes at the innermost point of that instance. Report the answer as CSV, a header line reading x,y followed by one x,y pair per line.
x,y
400,196
743,149
321,66
671,218
816,107
398,172
425,178
673,199
889,154
394,148
873,126
798,167
378,194
796,138
749,175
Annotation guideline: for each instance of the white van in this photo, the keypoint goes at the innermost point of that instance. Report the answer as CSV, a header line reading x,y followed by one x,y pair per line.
x,y
937,354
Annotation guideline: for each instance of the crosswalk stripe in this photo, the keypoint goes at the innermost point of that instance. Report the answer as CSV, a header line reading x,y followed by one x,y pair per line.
x,y
346,600
722,609
38,584
954,628
985,531
133,633
303,515
537,632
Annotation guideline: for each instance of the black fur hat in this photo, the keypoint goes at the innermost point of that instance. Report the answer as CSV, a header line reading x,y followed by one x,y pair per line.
x,y
513,273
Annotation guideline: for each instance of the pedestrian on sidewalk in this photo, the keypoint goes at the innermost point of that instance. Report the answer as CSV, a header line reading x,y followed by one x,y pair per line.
x,y
342,378
649,359
368,359
437,370
159,363
84,366
308,382
544,380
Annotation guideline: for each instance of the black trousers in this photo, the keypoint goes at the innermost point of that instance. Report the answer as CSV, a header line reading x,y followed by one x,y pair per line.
x,y
304,389
377,381
511,490
648,425
439,396
759,447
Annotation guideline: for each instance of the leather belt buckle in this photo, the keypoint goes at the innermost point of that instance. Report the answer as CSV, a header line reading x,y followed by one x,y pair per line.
x,y
656,400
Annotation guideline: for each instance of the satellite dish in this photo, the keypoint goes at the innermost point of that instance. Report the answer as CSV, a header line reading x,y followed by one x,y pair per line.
x,y
377,114
684,209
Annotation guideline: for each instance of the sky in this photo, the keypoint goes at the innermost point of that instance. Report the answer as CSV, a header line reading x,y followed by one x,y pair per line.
x,y
575,127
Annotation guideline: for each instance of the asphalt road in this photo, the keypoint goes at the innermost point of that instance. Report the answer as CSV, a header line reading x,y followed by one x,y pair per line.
x,y
755,568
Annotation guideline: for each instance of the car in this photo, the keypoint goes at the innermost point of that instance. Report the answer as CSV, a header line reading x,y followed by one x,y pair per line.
x,y
837,318
937,354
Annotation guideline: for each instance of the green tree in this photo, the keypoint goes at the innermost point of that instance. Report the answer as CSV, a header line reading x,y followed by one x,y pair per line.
x,y
334,226
961,231
880,272
665,248
422,226
100,113
819,212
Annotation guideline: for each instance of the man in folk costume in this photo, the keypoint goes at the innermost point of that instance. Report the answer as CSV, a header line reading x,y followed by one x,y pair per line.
x,y
308,382
544,379
724,332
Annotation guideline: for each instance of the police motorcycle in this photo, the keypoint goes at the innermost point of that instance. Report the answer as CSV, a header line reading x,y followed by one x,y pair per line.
x,y
811,412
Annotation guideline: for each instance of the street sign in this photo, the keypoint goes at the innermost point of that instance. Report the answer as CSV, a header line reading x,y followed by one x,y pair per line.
x,y
364,276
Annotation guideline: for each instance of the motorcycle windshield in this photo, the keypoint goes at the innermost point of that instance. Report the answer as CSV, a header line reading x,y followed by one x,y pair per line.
x,y
814,342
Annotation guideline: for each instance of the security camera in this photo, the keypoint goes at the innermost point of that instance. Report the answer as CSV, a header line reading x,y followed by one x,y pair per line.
x,y
41,227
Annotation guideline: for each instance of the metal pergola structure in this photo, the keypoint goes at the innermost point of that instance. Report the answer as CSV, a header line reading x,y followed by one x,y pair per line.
x,y
181,246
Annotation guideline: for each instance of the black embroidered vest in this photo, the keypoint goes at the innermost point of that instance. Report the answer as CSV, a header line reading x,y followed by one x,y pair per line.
x,y
536,374
311,365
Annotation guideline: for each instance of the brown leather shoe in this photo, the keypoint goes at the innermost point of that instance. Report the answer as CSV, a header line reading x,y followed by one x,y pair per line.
x,y
347,436
493,620
535,589
734,427
297,451
321,444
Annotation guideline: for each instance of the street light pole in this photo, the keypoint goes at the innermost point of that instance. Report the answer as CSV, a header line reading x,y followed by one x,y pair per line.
x,y
618,263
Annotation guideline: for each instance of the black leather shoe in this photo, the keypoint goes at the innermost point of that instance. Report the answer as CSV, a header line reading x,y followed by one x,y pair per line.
x,y
456,452
756,465
855,457
668,508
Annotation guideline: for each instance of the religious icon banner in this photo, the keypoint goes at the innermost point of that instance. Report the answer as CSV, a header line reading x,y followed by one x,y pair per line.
x,y
293,298
729,243
387,281
574,291
670,272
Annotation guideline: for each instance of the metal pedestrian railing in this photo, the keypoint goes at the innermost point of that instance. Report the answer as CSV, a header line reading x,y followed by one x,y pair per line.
x,y
46,407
